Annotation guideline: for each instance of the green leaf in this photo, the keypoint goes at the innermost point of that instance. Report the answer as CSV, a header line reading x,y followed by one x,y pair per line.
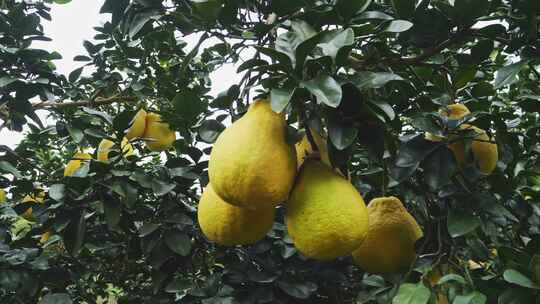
x,y
147,229
104,116
9,168
474,297
140,19
341,136
465,12
82,58
277,56
482,50
404,8
112,211
62,1
464,76
300,290
179,242
56,298
452,277
515,277
414,150
75,74
75,232
251,63
349,8
412,294
188,105
507,75
377,15
461,223
398,26
372,80
439,167
280,98
326,89
210,130
335,41
57,192
6,80
161,188
76,134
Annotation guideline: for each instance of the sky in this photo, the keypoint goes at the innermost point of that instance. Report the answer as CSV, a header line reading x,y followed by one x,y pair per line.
x,y
71,24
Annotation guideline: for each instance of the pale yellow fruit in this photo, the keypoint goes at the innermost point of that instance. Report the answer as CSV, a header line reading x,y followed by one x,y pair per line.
x,y
45,237
389,245
2,196
106,146
138,125
453,111
229,225
456,111
484,150
304,149
75,163
158,135
326,216
38,199
251,164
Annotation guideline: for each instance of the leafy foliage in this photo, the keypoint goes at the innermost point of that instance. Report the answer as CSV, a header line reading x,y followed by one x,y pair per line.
x,y
372,73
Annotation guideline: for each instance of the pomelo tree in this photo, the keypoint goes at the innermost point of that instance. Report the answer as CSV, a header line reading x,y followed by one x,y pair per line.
x,y
374,75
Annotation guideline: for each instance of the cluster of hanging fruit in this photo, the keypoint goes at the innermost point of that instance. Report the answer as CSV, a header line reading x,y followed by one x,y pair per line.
x,y
484,150
156,133
252,169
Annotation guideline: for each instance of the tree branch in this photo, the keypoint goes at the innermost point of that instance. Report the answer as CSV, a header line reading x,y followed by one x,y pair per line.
x,y
97,102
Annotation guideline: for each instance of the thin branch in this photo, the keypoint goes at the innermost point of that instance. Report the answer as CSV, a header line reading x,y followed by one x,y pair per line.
x,y
81,103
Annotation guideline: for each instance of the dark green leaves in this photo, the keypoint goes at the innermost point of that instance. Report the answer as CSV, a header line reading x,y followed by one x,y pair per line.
x,y
439,167
188,105
298,289
280,98
75,232
412,294
210,130
508,75
178,242
515,277
372,80
465,12
349,8
474,297
140,19
460,223
341,136
326,89
56,298
404,8
57,192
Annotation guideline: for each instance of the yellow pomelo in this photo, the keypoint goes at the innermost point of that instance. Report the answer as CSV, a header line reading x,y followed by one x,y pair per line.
x,y
456,111
453,111
45,237
2,196
484,150
389,245
304,149
138,125
38,199
158,135
229,225
75,163
105,146
251,164
326,216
